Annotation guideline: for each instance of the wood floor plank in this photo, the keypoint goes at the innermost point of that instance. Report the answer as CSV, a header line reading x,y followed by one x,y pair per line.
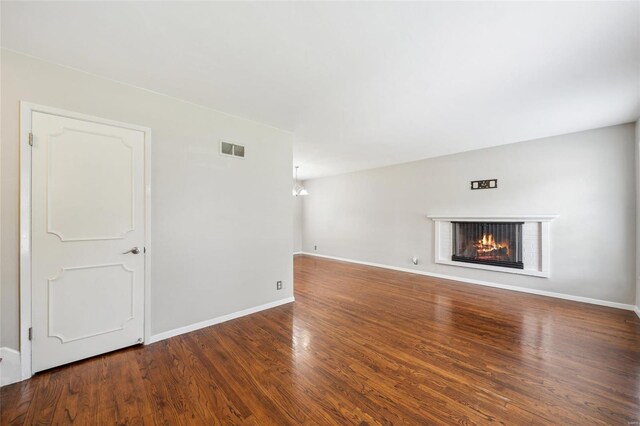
x,y
362,346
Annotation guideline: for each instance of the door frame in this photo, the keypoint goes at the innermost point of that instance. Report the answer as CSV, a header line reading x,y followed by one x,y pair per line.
x,y
26,111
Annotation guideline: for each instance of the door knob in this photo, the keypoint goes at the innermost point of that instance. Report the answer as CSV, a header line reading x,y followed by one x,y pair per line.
x,y
134,250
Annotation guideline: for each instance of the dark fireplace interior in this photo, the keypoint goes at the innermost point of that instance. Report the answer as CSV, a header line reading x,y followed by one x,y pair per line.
x,y
489,243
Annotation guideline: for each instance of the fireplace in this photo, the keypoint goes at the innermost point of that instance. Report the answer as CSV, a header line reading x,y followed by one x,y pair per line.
x,y
512,244
488,243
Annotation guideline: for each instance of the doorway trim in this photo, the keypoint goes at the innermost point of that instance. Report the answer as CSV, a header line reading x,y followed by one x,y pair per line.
x,y
26,111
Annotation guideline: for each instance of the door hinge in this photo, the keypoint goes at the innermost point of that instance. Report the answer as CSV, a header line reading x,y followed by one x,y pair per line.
x,y
30,333
30,139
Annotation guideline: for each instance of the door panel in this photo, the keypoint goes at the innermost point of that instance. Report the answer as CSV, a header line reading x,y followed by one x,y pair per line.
x,y
102,186
87,211
106,295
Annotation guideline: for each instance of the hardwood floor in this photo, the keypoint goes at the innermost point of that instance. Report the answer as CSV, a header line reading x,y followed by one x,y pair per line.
x,y
362,346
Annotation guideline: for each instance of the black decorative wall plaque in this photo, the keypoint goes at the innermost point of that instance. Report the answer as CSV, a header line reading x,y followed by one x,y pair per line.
x,y
484,184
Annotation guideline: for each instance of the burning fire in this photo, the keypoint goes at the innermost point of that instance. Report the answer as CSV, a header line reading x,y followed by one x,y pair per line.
x,y
489,247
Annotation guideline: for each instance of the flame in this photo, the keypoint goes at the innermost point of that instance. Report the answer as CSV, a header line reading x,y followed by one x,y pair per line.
x,y
489,245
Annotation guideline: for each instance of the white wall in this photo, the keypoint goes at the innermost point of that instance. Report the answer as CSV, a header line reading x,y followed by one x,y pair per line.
x,y
638,215
221,227
297,224
587,178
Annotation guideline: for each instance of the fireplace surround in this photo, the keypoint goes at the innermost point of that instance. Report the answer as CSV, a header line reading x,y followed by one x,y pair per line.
x,y
512,244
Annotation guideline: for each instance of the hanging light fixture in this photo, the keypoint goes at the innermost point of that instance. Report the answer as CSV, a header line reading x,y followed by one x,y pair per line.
x,y
298,189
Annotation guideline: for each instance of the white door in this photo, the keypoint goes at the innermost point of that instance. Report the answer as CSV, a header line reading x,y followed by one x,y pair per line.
x,y
88,205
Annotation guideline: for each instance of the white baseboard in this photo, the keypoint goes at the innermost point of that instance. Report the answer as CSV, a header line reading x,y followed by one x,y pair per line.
x,y
298,252
487,283
637,311
10,371
218,320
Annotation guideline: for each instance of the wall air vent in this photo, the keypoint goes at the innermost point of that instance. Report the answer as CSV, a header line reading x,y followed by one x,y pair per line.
x,y
231,149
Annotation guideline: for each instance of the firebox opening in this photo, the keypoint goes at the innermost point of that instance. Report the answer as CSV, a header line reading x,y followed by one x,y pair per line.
x,y
490,243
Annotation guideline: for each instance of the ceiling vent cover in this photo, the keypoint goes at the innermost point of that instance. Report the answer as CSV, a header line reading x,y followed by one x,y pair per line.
x,y
231,149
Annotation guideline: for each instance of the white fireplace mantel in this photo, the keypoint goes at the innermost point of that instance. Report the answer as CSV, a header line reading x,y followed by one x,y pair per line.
x,y
536,246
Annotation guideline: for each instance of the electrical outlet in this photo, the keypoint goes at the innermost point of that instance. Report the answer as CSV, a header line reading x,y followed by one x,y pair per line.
x,y
315,248
279,285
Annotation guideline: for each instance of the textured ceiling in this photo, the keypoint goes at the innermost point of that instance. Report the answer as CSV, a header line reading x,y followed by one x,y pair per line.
x,y
361,84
